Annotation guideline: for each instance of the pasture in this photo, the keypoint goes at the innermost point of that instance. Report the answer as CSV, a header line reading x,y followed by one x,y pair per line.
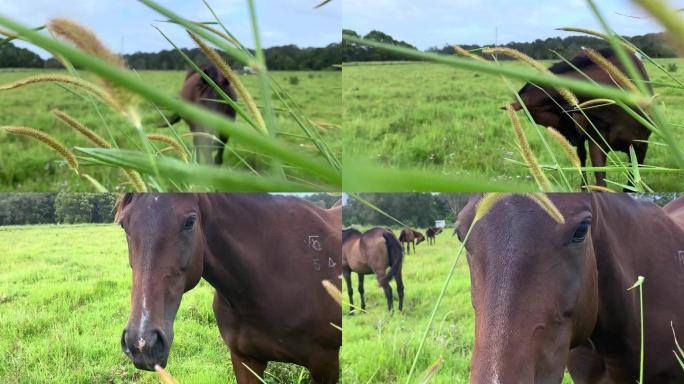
x,y
446,120
29,166
64,300
380,348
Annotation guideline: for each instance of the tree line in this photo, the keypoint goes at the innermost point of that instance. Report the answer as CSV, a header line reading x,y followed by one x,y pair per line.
x,y
652,44
417,210
281,58
56,208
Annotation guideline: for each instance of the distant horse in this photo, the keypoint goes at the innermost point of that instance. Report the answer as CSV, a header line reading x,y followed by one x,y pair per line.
x,y
549,295
431,233
409,236
372,252
615,126
198,91
265,256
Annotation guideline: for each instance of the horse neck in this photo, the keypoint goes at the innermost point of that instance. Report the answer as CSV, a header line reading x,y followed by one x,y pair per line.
x,y
234,231
630,239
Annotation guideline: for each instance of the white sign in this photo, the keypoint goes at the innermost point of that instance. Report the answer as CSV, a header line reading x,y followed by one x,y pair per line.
x,y
440,223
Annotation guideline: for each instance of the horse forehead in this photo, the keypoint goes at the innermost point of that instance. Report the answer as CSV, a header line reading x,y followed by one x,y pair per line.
x,y
159,206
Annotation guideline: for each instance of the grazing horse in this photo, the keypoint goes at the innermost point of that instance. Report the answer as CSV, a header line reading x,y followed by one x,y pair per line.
x,y
549,295
265,256
431,233
196,90
372,252
617,130
409,236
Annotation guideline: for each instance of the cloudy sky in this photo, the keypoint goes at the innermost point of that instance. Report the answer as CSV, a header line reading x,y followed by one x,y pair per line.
x,y
127,23
430,23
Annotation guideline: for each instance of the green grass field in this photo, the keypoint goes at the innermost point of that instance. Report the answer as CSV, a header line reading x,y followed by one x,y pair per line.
x,y
64,301
380,348
29,166
447,120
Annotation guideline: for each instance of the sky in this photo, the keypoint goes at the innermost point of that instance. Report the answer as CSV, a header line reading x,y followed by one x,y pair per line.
x,y
128,24
434,23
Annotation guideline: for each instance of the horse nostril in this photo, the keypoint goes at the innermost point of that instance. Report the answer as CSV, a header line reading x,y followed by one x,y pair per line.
x,y
124,345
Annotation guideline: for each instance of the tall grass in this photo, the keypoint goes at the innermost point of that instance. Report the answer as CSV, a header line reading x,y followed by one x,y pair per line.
x,y
121,88
631,95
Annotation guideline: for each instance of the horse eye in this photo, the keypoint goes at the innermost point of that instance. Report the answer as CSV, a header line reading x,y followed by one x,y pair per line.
x,y
189,223
581,231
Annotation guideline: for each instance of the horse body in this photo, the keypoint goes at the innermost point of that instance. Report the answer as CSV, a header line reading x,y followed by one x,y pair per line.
x,y
410,237
265,256
197,91
431,233
615,128
557,293
368,253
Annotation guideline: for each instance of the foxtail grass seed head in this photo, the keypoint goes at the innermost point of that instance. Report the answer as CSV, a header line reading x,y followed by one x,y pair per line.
x,y
611,69
526,151
170,142
234,81
87,41
332,290
85,131
164,376
595,102
70,80
135,180
487,202
567,147
596,34
46,139
547,205
464,52
514,53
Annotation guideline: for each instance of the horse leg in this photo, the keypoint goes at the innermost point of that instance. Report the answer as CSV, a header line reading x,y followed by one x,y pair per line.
x,y
587,367
361,291
380,276
203,146
400,289
324,366
414,246
218,160
346,272
598,159
244,375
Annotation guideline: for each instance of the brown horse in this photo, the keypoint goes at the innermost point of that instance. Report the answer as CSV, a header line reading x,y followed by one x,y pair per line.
x,y
198,91
372,252
409,236
617,130
431,233
265,255
549,295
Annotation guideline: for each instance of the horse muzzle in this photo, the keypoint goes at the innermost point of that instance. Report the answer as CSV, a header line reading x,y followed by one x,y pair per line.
x,y
147,349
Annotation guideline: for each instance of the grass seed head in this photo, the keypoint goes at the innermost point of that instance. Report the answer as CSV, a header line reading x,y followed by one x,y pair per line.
x,y
611,69
170,142
526,151
85,131
46,139
568,149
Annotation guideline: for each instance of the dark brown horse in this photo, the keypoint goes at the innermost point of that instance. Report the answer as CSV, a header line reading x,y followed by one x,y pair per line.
x,y
198,91
617,130
265,255
372,252
549,295
409,236
431,233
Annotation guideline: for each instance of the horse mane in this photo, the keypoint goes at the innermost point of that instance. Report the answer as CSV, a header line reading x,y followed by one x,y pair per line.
x,y
580,62
121,202
346,232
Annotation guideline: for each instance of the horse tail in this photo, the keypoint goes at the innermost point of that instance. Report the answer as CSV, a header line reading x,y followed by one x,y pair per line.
x,y
395,254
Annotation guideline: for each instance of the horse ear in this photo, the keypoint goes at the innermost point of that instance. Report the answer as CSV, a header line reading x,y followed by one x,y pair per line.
x,y
121,203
